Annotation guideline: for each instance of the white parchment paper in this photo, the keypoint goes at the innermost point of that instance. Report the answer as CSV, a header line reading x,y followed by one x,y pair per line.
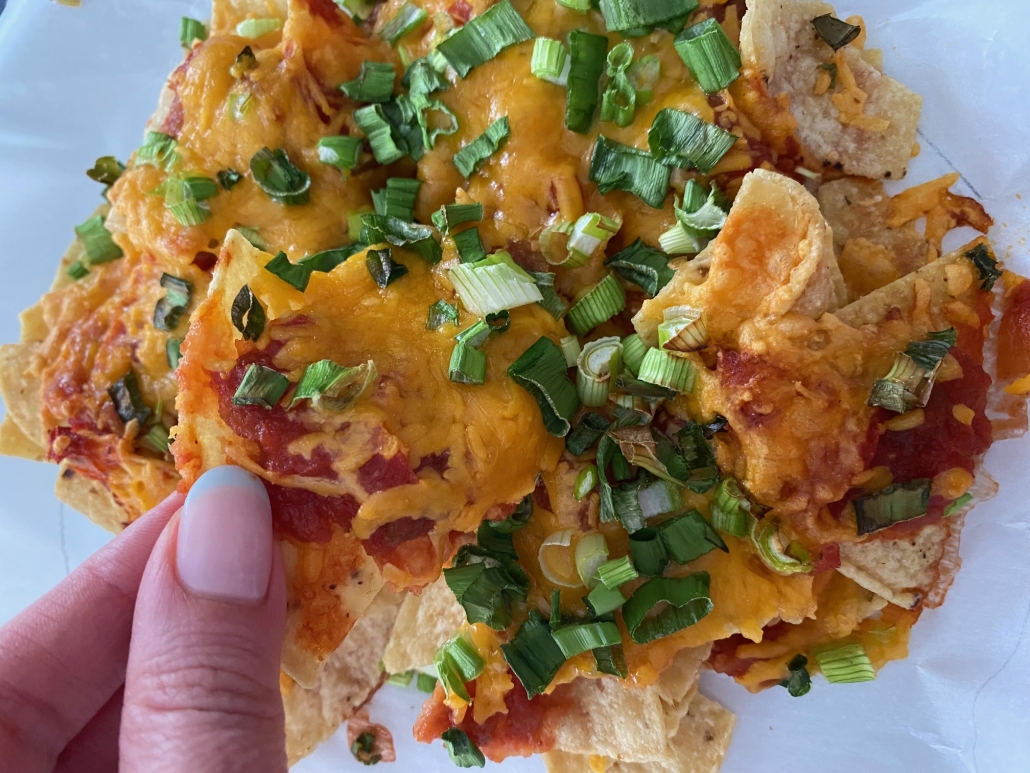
x,y
78,83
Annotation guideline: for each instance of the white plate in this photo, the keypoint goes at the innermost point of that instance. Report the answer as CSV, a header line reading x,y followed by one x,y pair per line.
x,y
78,83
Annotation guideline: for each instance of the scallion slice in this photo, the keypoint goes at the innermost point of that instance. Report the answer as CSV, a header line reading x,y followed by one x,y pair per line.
x,y
372,120
586,65
77,270
493,284
730,508
173,352
279,178
467,366
552,302
457,662
450,216
471,157
373,84
601,302
128,399
835,32
986,265
541,371
782,559
648,551
591,552
408,18
643,74
247,314
332,387
617,573
897,503
580,6
603,600
261,386
589,430
383,269
615,166
398,198
660,497
475,335
183,196
106,170
619,101
256,28
571,245
533,654
958,505
681,139
228,178
326,260
97,241
191,30
683,330
596,363
577,638
586,482
689,536
253,236
667,370
550,61
484,37
846,664
633,352
626,15
469,245
170,308
799,682
156,439
440,313
383,229
487,583
340,151
296,274
245,61
570,348
425,682
464,752
688,602
158,149
911,378
402,679
703,213
624,500
709,55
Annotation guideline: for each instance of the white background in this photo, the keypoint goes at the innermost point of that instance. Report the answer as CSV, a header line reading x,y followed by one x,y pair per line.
x,y
78,83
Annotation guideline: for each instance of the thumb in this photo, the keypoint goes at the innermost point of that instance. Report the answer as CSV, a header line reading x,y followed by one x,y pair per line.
x,y
202,684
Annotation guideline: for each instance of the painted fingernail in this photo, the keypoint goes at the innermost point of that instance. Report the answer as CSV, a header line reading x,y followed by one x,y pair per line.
x,y
225,537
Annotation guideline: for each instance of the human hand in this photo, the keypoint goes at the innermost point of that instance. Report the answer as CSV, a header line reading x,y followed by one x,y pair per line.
x,y
159,653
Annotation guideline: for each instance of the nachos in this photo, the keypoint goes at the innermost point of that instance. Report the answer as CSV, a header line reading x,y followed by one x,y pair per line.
x,y
580,348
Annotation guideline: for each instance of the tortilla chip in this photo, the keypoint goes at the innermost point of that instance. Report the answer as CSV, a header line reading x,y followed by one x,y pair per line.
x,y
774,255
424,623
349,678
91,498
900,570
22,431
778,41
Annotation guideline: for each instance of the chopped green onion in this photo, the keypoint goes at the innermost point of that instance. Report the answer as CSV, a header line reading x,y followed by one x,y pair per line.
x,y
591,552
256,28
986,265
765,535
683,330
586,65
835,32
552,302
624,500
619,101
499,322
469,245
158,149
577,638
97,242
261,386
77,270
340,151
611,660
402,679
475,335
458,662
846,664
831,68
633,352
900,502
182,197
493,284
440,313
398,198
570,348
601,302
799,682
667,370
682,139
709,55
643,74
450,216
464,752
372,120
589,430
156,439
533,654
550,61
128,399
689,536
380,229
279,178
699,458
580,6
471,157
170,308
678,241
572,245
191,30
326,260
688,602
541,371
929,354
615,166
911,378
106,170
468,365
334,388
617,573
626,15
382,267
586,482
408,18
228,178
248,315
296,274
648,551
362,749
627,386
730,508
484,37
957,505
373,84
245,60
660,497
597,362
603,600
486,584
425,682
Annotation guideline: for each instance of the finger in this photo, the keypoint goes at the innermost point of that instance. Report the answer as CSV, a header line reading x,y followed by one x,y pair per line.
x,y
202,688
95,748
64,657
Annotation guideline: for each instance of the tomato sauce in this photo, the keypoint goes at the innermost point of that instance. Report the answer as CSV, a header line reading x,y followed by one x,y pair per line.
x,y
307,516
1014,335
